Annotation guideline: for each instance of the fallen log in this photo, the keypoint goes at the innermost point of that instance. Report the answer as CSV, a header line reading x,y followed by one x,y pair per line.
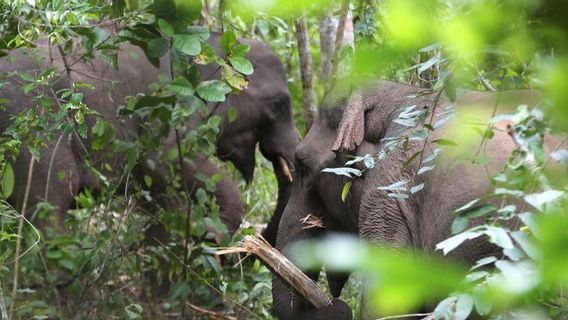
x,y
279,264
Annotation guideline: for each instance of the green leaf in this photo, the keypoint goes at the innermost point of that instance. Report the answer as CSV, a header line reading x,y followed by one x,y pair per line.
x,y
242,65
181,86
451,243
464,305
459,224
476,212
54,254
207,54
157,47
68,264
166,27
213,90
345,191
232,114
103,133
228,39
450,90
344,171
133,311
7,181
445,142
397,186
241,50
187,44
544,199
199,31
148,181
233,78
499,236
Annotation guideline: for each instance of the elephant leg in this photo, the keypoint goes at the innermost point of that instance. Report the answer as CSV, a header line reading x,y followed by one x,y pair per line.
x,y
56,178
384,221
336,282
284,191
227,194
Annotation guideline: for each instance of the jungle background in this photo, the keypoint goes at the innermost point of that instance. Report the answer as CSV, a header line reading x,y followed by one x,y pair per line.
x,y
445,45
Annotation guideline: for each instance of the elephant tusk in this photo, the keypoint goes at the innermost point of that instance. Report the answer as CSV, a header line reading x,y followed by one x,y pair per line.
x,y
285,168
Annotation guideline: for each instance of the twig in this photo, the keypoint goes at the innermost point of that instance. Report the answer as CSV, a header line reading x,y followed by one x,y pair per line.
x,y
50,167
210,313
3,310
207,283
19,240
278,263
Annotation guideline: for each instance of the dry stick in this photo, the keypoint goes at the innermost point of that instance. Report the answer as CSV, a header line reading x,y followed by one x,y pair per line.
x,y
19,240
277,262
207,283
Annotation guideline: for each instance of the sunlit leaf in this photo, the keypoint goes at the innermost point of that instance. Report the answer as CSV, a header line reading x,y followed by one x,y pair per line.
x,y
213,90
345,190
344,171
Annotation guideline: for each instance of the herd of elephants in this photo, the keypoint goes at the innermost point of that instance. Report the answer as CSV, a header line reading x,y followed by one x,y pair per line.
x,y
265,119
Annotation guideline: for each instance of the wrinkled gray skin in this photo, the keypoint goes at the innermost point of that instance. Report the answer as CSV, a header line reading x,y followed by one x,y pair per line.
x,y
264,117
421,221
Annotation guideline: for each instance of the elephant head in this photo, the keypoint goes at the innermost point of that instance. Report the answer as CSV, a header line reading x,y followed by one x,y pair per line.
x,y
420,221
315,207
264,118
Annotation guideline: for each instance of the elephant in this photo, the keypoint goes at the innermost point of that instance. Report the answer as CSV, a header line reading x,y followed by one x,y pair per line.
x,y
422,220
264,117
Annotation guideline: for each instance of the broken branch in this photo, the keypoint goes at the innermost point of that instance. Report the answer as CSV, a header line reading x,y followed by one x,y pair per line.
x,y
279,264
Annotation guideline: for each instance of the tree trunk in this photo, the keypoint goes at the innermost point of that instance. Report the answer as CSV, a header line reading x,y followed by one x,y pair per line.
x,y
303,38
331,41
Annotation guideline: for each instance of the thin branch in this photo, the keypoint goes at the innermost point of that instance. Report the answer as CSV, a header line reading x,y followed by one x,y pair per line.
x,y
50,167
3,310
209,313
19,240
207,283
279,264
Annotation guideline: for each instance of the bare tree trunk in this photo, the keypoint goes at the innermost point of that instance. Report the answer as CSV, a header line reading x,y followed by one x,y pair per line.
x,y
303,38
331,41
206,9
327,31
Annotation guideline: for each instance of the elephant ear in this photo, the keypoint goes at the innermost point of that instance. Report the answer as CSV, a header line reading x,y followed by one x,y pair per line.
x,y
352,126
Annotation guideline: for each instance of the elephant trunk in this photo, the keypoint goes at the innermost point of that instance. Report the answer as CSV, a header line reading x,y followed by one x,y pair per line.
x,y
283,177
287,303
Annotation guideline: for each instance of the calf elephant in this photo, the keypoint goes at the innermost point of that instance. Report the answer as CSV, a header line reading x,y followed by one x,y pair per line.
x,y
264,117
422,220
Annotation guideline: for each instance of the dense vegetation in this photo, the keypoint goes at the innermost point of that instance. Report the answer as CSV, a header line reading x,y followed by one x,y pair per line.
x,y
98,267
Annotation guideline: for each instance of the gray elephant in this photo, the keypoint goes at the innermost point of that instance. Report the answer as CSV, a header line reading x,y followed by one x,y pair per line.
x,y
264,117
422,220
